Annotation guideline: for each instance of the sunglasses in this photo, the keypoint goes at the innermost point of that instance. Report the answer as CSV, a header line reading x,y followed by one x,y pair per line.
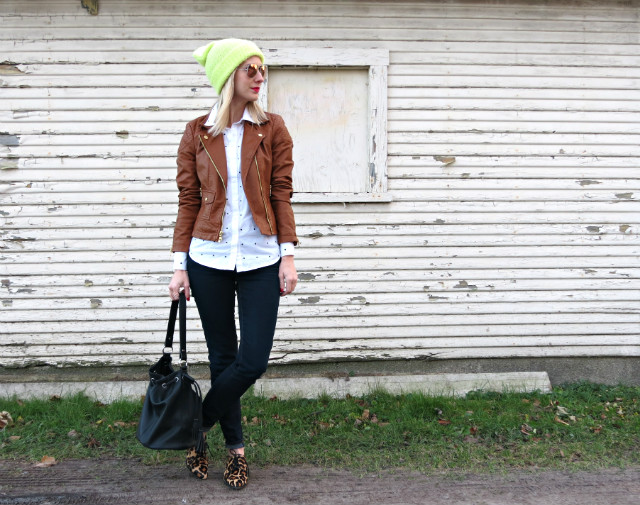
x,y
254,68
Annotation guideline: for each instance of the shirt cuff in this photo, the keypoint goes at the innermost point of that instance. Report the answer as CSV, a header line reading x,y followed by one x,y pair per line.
x,y
287,249
180,260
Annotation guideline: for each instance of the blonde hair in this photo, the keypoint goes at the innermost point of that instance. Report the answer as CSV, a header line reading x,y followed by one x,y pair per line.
x,y
224,105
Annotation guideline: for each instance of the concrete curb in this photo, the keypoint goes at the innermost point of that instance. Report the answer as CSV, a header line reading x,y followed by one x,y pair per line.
x,y
307,387
448,384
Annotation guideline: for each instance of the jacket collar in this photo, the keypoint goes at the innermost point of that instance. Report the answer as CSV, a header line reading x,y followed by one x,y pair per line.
x,y
254,134
214,110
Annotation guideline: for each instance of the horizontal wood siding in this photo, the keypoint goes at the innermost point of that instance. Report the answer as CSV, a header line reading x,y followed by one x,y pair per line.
x,y
513,163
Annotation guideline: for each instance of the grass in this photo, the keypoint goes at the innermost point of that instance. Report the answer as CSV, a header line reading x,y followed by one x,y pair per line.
x,y
581,426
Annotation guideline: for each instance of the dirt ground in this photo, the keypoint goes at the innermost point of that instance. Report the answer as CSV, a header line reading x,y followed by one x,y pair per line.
x,y
128,482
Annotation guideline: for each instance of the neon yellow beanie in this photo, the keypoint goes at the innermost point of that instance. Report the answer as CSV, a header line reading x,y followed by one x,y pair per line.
x,y
221,57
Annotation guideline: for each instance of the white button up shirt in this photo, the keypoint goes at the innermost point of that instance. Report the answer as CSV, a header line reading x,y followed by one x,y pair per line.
x,y
243,246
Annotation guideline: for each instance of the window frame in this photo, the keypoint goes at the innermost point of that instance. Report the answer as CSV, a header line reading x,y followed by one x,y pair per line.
x,y
376,61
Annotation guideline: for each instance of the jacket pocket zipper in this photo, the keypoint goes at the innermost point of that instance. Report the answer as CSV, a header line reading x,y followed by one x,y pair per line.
x,y
223,185
262,195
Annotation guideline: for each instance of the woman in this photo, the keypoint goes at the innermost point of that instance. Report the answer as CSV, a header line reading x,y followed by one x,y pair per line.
x,y
234,234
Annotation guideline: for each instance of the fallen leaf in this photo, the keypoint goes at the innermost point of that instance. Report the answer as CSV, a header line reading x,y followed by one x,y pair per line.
x,y
5,419
527,430
72,434
273,398
562,411
365,414
473,430
558,420
14,438
444,422
46,461
93,443
54,398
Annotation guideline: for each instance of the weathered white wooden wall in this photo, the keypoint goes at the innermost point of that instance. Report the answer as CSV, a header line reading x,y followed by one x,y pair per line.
x,y
514,132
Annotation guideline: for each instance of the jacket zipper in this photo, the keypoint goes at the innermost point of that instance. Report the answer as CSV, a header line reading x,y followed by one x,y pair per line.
x,y
262,195
223,185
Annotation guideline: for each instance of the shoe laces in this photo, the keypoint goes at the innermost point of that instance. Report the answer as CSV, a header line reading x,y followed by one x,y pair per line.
x,y
235,463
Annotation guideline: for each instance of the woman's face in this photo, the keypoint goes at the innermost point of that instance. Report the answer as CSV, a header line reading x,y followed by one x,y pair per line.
x,y
247,88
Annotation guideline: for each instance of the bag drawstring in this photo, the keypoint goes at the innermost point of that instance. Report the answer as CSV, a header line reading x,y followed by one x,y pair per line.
x,y
201,444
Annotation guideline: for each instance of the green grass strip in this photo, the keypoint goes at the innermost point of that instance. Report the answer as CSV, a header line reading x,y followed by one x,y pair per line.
x,y
581,426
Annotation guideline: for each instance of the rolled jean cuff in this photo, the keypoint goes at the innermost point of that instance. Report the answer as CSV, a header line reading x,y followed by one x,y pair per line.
x,y
234,446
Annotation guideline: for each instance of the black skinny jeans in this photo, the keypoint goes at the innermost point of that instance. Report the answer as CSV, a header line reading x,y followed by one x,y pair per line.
x,y
234,369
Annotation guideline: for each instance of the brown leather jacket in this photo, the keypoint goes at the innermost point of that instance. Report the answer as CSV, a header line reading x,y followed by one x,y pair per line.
x,y
267,165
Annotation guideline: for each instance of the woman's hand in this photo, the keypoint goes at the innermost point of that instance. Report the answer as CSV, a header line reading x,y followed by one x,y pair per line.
x,y
180,280
288,275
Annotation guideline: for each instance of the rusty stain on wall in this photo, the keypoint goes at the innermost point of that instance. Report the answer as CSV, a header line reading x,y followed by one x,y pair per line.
x,y
447,160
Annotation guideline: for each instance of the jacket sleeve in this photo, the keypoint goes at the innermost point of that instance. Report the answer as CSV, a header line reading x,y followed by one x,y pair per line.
x,y
189,192
282,181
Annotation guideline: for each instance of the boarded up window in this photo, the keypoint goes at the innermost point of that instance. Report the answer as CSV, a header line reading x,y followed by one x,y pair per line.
x,y
326,112
334,102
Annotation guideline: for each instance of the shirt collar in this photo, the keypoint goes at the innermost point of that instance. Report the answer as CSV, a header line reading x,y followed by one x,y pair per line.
x,y
214,110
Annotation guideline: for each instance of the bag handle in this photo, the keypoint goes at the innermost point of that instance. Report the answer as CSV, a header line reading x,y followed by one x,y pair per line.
x,y
181,303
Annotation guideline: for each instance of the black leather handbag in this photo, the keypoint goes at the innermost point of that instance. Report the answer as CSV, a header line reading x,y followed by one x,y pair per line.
x,y
172,411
